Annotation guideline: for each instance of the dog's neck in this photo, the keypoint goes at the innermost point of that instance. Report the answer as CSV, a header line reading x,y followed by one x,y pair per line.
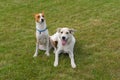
x,y
41,26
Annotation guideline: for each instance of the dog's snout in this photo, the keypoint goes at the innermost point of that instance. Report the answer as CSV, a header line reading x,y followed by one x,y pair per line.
x,y
42,20
63,38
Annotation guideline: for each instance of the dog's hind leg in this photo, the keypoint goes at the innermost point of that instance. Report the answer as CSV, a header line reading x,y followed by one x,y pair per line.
x,y
54,45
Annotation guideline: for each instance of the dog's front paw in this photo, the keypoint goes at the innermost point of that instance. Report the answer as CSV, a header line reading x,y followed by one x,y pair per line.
x,y
34,55
73,65
47,53
55,64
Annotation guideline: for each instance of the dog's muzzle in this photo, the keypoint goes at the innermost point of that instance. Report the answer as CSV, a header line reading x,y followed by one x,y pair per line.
x,y
42,20
64,40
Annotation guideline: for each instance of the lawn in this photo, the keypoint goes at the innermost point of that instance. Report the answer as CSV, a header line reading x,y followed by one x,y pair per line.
x,y
97,48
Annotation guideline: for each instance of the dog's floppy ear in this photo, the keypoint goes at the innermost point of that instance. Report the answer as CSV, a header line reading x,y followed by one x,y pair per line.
x,y
37,16
72,31
58,29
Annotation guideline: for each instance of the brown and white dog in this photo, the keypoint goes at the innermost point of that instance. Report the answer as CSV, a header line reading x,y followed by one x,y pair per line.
x,y
65,44
42,35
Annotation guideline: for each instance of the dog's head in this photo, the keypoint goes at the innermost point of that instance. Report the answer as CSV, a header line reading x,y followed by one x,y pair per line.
x,y
65,35
39,17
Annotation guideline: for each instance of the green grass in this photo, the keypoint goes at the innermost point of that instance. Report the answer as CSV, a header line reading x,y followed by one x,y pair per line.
x,y
97,50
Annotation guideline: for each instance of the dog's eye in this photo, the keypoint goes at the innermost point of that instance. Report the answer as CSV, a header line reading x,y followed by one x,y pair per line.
x,y
61,32
66,32
38,16
42,15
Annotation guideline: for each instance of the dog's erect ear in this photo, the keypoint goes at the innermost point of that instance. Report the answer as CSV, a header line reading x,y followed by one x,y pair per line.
x,y
72,31
58,29
43,13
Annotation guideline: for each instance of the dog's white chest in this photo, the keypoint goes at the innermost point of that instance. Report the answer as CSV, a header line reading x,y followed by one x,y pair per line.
x,y
65,49
42,38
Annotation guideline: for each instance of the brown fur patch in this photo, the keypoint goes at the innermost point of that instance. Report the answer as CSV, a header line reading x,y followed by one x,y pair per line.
x,y
42,14
56,42
37,17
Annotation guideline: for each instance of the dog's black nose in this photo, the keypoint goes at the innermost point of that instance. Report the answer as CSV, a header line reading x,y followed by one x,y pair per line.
x,y
42,20
63,38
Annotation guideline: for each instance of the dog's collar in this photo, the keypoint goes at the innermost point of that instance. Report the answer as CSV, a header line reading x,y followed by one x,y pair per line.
x,y
41,30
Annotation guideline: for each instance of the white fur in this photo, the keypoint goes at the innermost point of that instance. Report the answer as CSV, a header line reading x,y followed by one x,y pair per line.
x,y
67,48
42,39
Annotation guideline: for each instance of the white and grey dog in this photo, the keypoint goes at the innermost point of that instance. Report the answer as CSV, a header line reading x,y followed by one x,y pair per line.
x,y
65,44
42,35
